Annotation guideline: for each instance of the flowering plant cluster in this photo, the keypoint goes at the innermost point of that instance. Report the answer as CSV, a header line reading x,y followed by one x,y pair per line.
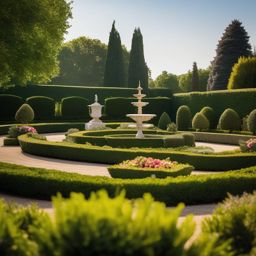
x,y
251,145
149,162
26,129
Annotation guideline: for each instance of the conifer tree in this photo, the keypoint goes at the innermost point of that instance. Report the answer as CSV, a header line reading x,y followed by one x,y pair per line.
x,y
114,74
233,44
195,78
138,70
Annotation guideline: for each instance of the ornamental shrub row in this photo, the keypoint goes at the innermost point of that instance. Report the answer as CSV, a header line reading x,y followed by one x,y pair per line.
x,y
102,225
193,189
108,155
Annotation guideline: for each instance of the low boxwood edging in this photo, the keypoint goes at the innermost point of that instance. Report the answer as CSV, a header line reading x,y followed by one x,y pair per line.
x,y
194,189
223,138
117,171
108,155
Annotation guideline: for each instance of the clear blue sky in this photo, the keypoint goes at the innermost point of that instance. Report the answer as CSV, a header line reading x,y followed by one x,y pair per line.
x,y
175,32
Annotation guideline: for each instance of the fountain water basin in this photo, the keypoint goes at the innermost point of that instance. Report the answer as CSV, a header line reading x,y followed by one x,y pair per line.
x,y
139,118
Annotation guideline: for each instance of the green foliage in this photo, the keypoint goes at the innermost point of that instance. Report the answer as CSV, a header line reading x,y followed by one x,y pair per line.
x,y
200,122
172,127
44,107
9,141
243,74
108,155
138,70
230,120
122,172
25,114
233,44
114,74
185,80
195,78
117,108
235,220
164,121
38,28
9,104
183,118
209,113
251,122
193,189
75,107
167,80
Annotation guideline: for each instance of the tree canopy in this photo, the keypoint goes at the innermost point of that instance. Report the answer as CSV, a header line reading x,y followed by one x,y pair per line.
x,y
138,70
233,44
114,74
30,38
195,78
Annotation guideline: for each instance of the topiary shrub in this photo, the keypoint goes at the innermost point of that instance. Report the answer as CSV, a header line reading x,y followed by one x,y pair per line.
x,y
230,120
243,74
209,113
235,220
200,122
44,107
251,122
164,121
183,118
25,114
9,104
74,107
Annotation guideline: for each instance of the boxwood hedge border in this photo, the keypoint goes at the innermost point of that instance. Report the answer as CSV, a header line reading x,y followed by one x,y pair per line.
x,y
195,189
108,155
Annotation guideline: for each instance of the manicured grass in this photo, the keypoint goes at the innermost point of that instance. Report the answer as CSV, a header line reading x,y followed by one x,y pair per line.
x,y
194,189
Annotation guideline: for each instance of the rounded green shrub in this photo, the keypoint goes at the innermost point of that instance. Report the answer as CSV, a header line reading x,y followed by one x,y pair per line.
x,y
183,118
235,220
251,122
230,120
209,113
164,121
25,114
44,107
200,122
9,104
74,107
243,74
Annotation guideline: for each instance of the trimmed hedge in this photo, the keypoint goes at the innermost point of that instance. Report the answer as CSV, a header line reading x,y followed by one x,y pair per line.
x,y
61,91
243,101
44,107
9,104
194,189
74,107
118,108
108,155
121,172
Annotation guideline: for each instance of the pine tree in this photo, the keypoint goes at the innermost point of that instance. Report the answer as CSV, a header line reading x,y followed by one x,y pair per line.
x,y
114,74
195,78
138,70
233,44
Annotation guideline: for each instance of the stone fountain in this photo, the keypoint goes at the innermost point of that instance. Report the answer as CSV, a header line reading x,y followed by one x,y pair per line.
x,y
139,118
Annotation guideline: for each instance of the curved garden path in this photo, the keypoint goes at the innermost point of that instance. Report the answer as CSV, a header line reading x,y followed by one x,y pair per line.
x,y
16,156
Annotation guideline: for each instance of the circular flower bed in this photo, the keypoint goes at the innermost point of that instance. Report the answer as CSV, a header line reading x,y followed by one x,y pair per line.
x,y
142,167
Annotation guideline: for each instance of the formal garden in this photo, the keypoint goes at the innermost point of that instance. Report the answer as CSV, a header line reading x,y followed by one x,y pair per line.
x,y
147,148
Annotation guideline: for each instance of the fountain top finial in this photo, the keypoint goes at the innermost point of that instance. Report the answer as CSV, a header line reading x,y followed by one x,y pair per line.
x,y
96,98
139,87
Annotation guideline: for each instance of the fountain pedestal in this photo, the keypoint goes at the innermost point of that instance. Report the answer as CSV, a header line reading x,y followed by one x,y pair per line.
x,y
95,112
139,118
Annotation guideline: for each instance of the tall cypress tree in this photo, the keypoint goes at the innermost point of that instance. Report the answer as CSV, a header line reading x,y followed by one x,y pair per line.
x,y
233,44
114,74
195,78
138,70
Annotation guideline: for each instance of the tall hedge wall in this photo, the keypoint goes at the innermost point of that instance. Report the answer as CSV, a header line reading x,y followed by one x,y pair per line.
x,y
61,91
9,104
117,108
44,107
242,101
